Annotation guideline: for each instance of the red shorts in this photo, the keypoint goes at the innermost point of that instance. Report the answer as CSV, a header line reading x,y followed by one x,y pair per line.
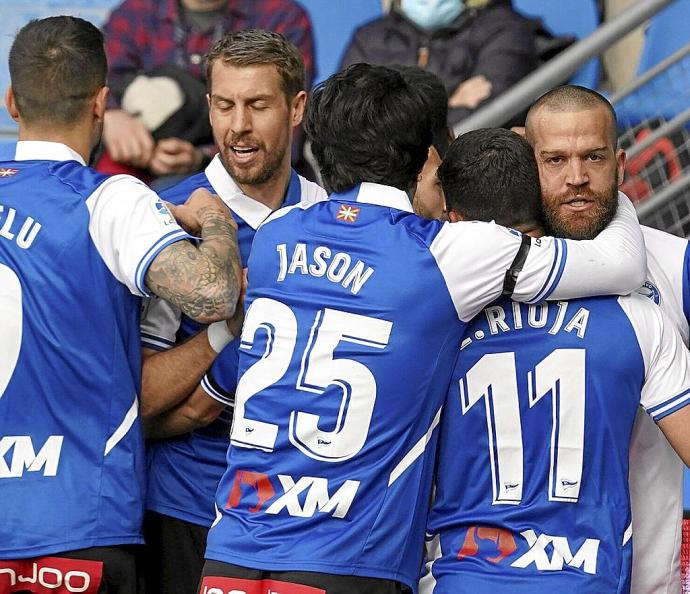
x,y
50,575
228,585
225,578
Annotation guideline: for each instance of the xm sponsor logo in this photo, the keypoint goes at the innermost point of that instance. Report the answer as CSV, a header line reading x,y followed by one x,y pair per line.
x,y
302,498
561,554
18,455
544,552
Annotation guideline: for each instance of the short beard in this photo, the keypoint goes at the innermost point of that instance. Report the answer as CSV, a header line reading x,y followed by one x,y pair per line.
x,y
586,225
269,169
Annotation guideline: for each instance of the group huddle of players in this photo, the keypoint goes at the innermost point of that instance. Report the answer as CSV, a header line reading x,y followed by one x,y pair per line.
x,y
434,382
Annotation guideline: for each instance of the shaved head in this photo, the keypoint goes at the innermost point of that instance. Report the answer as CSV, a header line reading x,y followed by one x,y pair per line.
x,y
572,98
573,134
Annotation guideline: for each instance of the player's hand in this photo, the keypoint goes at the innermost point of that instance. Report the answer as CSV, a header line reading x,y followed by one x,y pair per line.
x,y
200,204
174,156
471,92
128,141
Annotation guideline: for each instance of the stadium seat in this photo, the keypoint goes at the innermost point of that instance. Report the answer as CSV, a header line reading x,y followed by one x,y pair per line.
x,y
667,32
16,14
665,95
334,23
565,17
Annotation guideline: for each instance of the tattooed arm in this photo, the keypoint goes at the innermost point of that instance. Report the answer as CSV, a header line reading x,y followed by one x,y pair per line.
x,y
204,281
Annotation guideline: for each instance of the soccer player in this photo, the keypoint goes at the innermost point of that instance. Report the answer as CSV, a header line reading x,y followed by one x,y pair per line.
x,y
531,486
256,83
573,133
428,191
355,310
77,249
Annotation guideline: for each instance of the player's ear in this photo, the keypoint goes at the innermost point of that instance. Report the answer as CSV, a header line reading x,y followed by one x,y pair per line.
x,y
297,108
454,217
11,104
620,165
100,103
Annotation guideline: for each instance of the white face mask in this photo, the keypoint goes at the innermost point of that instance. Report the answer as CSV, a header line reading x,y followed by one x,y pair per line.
x,y
432,14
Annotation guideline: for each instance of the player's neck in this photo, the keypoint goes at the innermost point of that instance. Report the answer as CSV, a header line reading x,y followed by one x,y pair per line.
x,y
74,137
271,193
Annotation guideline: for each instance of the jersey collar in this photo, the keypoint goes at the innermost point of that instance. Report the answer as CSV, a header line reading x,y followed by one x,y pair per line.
x,y
378,194
40,150
252,211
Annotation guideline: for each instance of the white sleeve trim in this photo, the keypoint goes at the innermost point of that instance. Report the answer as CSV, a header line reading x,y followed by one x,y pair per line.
x,y
215,394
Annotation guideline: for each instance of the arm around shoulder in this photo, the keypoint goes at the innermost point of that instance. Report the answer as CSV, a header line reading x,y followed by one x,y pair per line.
x,y
613,263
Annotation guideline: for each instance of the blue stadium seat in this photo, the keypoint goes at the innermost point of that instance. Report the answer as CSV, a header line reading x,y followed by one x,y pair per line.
x,y
667,33
16,14
565,17
334,23
667,94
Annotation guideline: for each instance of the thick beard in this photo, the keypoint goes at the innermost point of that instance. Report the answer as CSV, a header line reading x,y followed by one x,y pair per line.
x,y
585,225
270,167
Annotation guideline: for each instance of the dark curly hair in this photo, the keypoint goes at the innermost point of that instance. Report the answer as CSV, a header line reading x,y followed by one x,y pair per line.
x,y
367,124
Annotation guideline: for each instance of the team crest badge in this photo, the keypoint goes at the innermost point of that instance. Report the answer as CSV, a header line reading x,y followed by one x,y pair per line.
x,y
650,291
8,172
347,213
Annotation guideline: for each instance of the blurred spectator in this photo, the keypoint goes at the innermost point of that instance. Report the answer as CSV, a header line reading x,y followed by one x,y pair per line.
x,y
478,48
157,120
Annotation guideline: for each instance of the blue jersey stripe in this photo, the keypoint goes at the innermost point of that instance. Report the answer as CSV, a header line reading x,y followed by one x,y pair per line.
x,y
547,284
561,267
663,410
686,284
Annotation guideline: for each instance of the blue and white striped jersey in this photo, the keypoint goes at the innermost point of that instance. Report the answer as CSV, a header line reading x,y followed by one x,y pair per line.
x,y
355,310
75,246
183,472
532,482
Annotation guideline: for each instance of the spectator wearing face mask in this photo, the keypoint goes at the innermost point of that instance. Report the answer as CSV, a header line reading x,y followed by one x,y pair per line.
x,y
478,48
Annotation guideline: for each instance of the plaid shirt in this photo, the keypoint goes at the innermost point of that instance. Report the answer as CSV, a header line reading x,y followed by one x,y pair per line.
x,y
145,34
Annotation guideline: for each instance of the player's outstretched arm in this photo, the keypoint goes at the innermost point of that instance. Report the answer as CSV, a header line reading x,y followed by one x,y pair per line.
x,y
481,261
204,281
198,410
614,262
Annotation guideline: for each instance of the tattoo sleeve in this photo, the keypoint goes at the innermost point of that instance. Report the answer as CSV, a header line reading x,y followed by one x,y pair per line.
x,y
204,281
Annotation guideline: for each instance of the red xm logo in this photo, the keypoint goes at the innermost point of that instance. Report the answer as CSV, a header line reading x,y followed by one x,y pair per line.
x,y
502,540
347,213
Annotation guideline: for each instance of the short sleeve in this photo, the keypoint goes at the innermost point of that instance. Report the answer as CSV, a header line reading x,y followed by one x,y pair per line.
x,y
130,225
666,387
159,324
